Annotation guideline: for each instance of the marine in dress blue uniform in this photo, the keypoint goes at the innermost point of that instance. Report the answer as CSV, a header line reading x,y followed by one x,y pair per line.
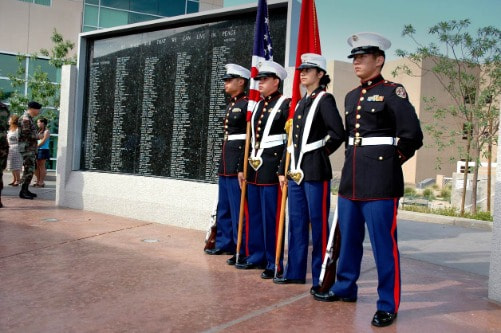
x,y
317,131
268,142
383,132
232,156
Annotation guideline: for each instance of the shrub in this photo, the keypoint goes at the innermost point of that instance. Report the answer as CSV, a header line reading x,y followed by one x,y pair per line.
x,y
445,193
484,216
410,192
428,194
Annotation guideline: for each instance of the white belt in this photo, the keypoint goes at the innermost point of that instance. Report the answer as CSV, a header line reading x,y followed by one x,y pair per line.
x,y
373,141
273,141
232,137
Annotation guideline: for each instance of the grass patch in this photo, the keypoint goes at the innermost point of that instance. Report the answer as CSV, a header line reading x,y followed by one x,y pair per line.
x,y
483,216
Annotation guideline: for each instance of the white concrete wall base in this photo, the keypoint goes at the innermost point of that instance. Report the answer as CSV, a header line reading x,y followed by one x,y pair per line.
x,y
179,203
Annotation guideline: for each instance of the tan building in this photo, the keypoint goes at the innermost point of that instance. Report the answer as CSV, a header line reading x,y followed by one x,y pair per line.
x,y
27,27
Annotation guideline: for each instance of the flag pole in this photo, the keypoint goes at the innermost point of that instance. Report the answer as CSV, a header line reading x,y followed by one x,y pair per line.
x,y
262,50
308,42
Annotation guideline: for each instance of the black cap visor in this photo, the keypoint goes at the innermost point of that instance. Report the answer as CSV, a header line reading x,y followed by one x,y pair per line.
x,y
262,75
364,50
230,76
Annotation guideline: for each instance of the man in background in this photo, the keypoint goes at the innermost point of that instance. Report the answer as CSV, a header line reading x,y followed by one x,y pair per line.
x,y
28,147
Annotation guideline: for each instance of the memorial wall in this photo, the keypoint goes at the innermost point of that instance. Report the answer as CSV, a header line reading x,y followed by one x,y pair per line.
x,y
154,101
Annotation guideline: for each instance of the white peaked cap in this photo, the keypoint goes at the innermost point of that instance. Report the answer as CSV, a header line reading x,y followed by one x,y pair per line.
x,y
313,60
234,71
271,68
367,42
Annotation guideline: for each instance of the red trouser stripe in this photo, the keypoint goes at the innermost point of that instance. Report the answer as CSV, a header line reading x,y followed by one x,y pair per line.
x,y
396,289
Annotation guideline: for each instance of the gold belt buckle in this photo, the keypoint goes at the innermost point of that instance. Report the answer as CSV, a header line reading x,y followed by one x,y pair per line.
x,y
255,162
357,141
225,138
297,176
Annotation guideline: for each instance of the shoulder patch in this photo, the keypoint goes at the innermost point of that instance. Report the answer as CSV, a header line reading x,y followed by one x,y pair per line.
x,y
400,91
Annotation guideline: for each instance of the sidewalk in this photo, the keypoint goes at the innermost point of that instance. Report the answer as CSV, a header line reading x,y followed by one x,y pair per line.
x,y
64,270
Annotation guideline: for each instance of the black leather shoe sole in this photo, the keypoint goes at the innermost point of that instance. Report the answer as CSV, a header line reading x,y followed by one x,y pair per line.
x,y
330,296
248,265
233,260
288,281
314,290
216,252
268,274
382,318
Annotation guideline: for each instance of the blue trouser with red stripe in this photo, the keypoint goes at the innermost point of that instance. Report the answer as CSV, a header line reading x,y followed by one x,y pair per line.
x,y
381,219
263,202
228,208
309,202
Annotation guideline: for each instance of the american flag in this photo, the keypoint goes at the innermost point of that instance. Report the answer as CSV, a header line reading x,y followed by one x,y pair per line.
x,y
261,51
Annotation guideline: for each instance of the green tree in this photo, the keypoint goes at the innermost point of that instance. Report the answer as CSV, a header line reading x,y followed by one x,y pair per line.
x,y
39,85
468,68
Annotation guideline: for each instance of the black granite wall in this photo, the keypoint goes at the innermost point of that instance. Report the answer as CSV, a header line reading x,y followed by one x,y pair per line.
x,y
155,101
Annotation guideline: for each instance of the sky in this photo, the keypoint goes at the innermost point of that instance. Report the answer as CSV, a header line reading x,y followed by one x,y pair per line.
x,y
339,19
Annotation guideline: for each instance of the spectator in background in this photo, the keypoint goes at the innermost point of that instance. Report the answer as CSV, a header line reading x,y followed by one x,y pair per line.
x,y
43,152
4,145
28,147
14,160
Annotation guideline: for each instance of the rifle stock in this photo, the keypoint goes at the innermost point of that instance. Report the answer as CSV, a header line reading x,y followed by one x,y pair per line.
x,y
210,242
210,237
329,265
244,192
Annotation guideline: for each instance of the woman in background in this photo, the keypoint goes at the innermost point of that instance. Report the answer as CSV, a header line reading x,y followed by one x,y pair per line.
x,y
14,159
43,151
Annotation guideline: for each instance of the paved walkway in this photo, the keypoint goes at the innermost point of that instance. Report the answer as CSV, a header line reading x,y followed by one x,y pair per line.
x,y
64,270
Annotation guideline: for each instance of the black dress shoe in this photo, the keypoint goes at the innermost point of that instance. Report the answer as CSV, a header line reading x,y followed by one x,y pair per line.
x,y
282,280
233,260
216,252
314,289
248,265
330,296
382,318
268,274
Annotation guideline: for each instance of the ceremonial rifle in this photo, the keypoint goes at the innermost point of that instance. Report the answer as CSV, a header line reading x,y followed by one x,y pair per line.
x,y
210,237
329,265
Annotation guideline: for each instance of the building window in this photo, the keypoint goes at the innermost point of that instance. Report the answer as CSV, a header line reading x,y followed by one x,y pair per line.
x,y
172,8
110,13
111,18
192,6
91,15
39,2
9,65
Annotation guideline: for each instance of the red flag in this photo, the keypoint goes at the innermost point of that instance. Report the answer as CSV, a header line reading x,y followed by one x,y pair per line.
x,y
308,42
261,51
